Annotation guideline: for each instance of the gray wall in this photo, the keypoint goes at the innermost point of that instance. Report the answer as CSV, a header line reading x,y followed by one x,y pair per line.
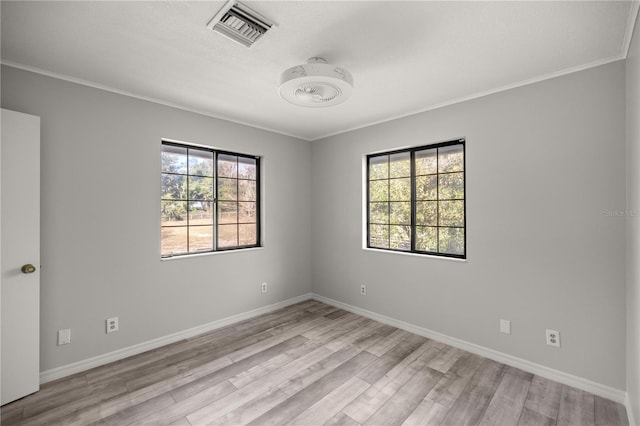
x,y
633,227
545,163
100,219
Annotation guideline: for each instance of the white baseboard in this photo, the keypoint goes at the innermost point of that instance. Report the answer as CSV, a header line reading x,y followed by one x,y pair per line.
x,y
80,366
604,391
632,419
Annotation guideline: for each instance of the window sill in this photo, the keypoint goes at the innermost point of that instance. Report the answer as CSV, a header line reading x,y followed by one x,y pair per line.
x,y
401,253
209,253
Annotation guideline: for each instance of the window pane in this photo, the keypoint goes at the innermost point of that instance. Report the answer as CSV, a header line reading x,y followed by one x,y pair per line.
x,y
427,187
400,189
425,198
451,240
227,212
427,238
379,236
200,188
200,163
399,165
227,166
173,213
247,213
450,159
173,240
426,162
400,237
174,187
227,235
247,168
451,213
190,216
247,234
174,159
200,213
246,190
379,212
200,238
451,185
379,190
379,167
427,213
227,189
400,213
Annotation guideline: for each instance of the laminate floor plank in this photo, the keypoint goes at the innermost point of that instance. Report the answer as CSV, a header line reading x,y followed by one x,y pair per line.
x,y
336,314
427,413
608,413
305,398
544,397
385,345
332,404
341,419
280,337
445,359
365,406
219,408
139,412
398,408
529,417
309,364
309,375
233,369
577,408
407,352
472,403
185,407
348,321
180,422
453,383
253,409
507,402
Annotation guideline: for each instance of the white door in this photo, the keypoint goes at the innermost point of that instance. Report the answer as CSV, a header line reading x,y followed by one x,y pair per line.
x,y
20,254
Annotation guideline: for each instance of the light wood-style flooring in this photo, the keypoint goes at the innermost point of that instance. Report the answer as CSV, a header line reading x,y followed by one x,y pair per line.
x,y
309,364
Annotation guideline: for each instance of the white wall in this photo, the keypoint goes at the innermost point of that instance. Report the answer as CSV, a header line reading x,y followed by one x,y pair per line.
x,y
545,162
100,219
633,227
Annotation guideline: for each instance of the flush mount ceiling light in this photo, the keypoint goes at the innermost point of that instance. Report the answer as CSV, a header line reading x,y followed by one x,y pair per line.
x,y
316,84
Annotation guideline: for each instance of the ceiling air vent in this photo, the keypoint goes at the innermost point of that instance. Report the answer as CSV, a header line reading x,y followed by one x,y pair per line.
x,y
240,23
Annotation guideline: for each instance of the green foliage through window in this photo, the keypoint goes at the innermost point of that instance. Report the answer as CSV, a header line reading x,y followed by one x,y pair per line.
x,y
416,200
210,200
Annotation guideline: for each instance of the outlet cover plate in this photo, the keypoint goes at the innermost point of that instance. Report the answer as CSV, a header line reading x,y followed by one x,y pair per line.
x,y
64,336
553,338
112,325
505,326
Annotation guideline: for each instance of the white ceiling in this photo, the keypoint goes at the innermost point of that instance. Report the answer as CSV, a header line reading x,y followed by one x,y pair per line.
x,y
405,57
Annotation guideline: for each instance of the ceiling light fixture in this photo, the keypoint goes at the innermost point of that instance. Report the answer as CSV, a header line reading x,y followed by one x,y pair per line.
x,y
316,84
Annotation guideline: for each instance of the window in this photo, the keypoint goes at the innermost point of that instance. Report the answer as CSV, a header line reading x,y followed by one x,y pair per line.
x,y
210,200
416,200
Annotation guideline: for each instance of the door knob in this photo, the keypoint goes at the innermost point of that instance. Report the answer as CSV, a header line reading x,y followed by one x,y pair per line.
x,y
28,269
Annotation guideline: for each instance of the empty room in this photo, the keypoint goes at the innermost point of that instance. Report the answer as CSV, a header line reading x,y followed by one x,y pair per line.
x,y
320,213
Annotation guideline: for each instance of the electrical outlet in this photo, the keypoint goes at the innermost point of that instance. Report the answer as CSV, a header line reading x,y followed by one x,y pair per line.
x,y
363,290
112,325
264,287
505,326
553,338
64,336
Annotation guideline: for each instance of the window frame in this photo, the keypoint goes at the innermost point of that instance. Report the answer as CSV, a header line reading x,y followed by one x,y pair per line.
x,y
215,223
413,225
